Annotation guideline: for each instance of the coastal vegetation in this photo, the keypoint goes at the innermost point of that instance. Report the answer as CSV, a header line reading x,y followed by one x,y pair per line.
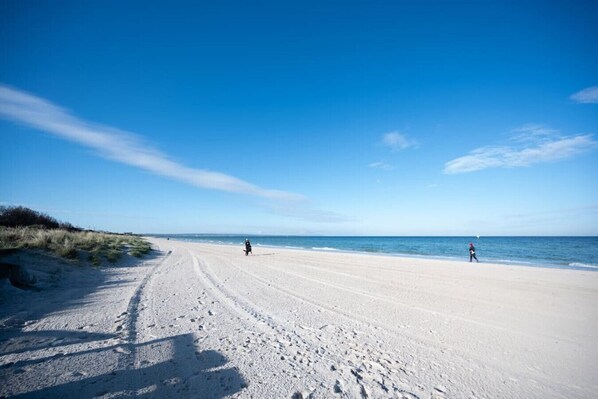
x,y
23,228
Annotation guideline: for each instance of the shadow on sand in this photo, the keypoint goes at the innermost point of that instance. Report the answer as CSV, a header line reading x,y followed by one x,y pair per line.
x,y
101,365
187,373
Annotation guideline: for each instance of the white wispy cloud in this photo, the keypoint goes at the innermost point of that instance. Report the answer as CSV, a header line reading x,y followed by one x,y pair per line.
x,y
397,141
534,133
381,165
588,95
121,146
531,144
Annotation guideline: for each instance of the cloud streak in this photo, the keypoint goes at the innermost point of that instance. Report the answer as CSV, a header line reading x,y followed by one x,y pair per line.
x,y
397,141
586,96
122,146
380,165
532,144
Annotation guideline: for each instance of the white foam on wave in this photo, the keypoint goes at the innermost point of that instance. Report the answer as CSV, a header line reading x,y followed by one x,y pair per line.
x,y
514,262
584,265
324,249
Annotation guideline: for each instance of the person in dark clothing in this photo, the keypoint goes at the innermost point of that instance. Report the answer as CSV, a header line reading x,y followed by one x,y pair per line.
x,y
472,253
247,249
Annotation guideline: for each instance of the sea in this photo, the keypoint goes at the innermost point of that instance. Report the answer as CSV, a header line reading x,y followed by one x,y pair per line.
x,y
579,253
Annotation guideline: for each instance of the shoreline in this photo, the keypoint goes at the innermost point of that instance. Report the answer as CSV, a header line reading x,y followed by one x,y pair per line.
x,y
577,266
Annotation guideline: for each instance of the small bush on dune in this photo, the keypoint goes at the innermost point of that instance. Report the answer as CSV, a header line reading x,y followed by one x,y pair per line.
x,y
40,239
138,252
94,258
86,241
139,248
113,255
66,249
9,238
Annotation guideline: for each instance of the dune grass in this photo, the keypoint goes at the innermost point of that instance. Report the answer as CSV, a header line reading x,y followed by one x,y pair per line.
x,y
90,245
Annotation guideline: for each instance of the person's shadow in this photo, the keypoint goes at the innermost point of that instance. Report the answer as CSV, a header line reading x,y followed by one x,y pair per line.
x,y
186,374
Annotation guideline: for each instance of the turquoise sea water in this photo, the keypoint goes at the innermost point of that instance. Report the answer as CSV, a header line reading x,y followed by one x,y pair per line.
x,y
563,252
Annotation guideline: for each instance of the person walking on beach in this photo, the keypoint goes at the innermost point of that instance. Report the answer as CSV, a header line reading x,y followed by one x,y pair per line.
x,y
247,249
472,253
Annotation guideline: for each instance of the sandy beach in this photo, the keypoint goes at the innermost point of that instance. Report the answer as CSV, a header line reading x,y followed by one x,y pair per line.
x,y
205,321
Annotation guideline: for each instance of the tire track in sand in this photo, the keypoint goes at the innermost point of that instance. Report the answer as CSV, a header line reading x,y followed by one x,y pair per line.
x,y
362,371
126,327
309,337
288,348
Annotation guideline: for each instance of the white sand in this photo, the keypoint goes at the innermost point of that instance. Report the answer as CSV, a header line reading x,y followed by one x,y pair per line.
x,y
205,321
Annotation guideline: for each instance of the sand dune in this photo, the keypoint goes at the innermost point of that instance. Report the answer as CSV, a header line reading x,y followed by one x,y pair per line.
x,y
206,321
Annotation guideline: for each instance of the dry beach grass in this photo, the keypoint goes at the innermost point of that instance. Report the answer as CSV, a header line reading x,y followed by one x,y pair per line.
x,y
89,245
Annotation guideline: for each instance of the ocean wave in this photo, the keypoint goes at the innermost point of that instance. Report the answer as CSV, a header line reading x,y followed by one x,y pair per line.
x,y
511,261
372,250
584,265
258,244
324,249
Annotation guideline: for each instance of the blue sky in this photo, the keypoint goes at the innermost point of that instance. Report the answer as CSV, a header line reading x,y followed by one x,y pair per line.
x,y
357,118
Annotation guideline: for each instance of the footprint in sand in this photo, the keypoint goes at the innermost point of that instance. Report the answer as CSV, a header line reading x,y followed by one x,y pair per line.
x,y
440,388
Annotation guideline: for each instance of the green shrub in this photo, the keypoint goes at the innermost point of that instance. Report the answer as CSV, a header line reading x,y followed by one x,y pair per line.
x,y
68,252
140,249
16,216
113,255
94,258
